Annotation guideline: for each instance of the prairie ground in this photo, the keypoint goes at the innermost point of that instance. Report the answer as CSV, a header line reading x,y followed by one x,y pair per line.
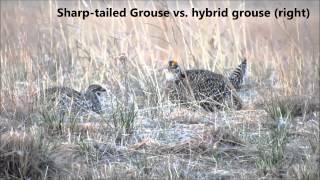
x,y
144,135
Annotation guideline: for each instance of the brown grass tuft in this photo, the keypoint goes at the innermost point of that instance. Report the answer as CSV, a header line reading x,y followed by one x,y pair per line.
x,y
23,157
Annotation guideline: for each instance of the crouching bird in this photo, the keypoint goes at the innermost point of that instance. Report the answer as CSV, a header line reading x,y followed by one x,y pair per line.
x,y
65,101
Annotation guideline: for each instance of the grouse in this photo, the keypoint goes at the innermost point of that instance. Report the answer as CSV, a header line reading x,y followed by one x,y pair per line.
x,y
65,100
208,89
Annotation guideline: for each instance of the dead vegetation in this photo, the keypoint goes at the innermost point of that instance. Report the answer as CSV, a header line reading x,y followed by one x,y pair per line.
x,y
142,135
23,157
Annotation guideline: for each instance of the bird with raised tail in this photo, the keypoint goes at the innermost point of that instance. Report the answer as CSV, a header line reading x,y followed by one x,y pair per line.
x,y
208,89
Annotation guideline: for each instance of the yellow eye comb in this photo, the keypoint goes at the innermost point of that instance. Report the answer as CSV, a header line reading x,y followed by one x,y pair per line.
x,y
174,62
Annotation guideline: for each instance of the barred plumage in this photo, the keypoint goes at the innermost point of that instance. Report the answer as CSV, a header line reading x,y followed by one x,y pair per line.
x,y
236,77
208,89
65,100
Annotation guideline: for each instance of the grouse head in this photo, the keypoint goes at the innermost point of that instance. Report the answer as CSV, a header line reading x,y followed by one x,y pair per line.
x,y
175,69
96,94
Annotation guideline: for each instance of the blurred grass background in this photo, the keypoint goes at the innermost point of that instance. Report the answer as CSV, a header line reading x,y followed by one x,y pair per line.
x,y
39,50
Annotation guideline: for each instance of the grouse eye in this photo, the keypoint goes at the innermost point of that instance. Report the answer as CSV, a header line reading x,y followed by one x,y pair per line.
x,y
98,93
172,64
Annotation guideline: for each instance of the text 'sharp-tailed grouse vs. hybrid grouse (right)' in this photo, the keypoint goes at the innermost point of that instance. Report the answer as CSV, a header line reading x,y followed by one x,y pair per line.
x,y
208,89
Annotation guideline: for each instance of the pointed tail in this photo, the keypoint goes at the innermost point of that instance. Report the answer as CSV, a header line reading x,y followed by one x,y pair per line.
x,y
236,77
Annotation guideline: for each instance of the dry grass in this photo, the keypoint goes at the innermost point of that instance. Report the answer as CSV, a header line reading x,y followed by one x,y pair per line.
x,y
142,134
23,157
